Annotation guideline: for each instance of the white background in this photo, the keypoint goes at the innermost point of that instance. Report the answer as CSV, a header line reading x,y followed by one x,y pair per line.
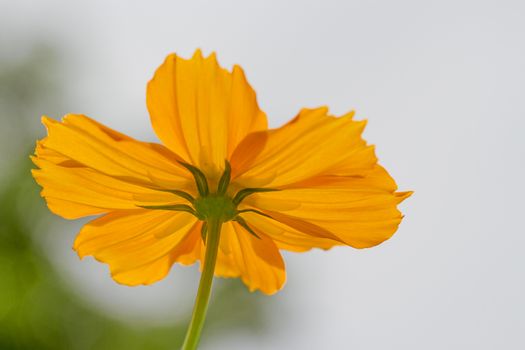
x,y
442,84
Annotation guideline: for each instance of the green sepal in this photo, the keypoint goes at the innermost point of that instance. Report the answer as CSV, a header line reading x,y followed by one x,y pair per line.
x,y
182,194
204,231
224,181
174,207
200,179
243,223
248,191
254,211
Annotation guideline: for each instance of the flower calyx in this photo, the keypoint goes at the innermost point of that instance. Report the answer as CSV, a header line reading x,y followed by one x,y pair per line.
x,y
216,205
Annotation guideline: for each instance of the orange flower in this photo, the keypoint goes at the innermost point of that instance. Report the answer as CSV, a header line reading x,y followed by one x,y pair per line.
x,y
312,183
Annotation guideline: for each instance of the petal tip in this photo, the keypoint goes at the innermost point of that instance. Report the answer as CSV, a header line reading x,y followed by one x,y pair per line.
x,y
197,54
403,195
47,121
349,115
33,159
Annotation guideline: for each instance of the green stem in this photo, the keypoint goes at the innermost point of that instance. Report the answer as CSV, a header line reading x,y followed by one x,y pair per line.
x,y
203,295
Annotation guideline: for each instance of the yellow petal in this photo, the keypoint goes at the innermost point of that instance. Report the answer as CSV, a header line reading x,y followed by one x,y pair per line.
x,y
202,111
287,237
359,214
93,145
186,252
375,178
191,249
86,168
136,244
257,261
310,145
76,192
149,273
226,265
71,210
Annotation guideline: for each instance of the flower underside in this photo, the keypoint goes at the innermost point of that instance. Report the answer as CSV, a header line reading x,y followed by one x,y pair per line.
x,y
312,183
217,204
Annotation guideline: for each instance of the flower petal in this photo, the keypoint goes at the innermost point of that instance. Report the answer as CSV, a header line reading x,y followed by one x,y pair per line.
x,y
332,191
76,192
359,214
287,237
310,145
202,111
256,260
92,145
138,245
88,169
375,179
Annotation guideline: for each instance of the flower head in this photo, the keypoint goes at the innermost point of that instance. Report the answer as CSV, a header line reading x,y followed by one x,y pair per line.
x,y
312,183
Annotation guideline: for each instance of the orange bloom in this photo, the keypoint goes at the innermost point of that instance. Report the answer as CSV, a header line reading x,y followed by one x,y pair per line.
x,y
312,183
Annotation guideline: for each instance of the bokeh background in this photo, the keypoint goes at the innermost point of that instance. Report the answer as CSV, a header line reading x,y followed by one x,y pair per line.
x,y
442,84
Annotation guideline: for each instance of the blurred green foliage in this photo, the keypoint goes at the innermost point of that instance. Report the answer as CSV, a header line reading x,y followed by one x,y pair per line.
x,y
37,310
